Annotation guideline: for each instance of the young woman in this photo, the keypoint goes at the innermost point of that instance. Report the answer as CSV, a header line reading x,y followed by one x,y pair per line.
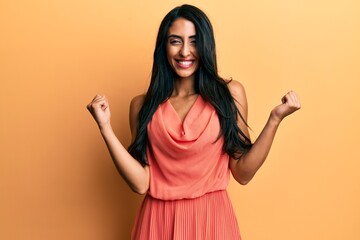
x,y
189,132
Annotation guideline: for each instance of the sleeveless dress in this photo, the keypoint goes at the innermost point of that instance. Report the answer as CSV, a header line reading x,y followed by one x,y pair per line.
x,y
189,173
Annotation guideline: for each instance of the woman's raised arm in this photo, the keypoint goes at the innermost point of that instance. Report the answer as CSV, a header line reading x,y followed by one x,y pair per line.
x,y
245,168
136,175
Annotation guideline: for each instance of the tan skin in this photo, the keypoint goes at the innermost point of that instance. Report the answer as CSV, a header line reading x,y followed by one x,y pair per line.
x,y
182,56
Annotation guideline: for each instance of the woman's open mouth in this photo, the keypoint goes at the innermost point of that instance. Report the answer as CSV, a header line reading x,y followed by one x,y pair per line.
x,y
184,63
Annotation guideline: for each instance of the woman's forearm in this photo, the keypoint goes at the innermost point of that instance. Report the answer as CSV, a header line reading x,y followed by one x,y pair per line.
x,y
246,167
136,175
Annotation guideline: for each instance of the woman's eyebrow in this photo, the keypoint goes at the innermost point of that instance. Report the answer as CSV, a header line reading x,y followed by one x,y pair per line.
x,y
177,36
174,36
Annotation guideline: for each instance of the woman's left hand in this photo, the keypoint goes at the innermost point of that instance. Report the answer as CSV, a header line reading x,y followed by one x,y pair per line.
x,y
290,104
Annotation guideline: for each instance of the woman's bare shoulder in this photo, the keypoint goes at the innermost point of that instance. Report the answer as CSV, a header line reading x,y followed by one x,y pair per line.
x,y
236,88
137,102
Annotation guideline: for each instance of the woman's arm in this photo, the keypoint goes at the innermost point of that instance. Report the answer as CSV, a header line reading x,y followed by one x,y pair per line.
x,y
245,168
136,176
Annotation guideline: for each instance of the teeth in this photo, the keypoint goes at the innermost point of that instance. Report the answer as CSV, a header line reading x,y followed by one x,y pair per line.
x,y
185,63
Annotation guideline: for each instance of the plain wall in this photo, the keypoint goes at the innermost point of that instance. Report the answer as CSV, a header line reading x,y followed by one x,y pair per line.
x,y
57,180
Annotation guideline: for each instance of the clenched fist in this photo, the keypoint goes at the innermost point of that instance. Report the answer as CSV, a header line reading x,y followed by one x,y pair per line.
x,y
290,104
99,109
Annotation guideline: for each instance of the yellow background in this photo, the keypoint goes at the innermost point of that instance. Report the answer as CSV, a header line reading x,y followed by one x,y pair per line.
x,y
57,180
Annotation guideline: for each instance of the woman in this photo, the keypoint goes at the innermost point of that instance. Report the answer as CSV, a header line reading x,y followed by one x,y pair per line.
x,y
189,132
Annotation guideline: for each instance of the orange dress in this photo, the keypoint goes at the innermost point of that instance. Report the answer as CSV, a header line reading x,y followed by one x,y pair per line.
x,y
189,173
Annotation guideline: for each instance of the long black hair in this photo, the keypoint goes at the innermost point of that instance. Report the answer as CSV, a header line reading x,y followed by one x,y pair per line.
x,y
208,84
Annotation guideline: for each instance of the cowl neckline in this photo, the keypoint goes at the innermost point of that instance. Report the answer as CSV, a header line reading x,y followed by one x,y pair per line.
x,y
195,121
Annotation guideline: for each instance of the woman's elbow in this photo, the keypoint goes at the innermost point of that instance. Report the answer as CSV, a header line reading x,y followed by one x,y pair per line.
x,y
242,177
140,190
141,184
244,182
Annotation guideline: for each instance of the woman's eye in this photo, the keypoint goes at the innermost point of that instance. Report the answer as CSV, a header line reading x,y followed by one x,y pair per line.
x,y
175,41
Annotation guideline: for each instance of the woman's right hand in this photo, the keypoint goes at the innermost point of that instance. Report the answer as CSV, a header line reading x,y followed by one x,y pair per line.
x,y
100,110
290,104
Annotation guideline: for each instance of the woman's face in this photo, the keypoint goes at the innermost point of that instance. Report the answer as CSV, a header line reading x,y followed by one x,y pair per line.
x,y
181,48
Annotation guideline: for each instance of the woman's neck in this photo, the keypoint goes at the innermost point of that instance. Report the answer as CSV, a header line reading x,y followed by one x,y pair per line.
x,y
184,87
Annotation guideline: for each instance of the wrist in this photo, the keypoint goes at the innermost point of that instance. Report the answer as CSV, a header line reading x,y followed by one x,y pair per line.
x,y
274,120
104,127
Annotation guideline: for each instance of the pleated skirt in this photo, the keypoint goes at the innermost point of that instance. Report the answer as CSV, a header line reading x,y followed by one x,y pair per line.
x,y
209,217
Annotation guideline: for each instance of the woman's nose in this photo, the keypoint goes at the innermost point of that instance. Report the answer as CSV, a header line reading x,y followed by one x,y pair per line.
x,y
185,50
